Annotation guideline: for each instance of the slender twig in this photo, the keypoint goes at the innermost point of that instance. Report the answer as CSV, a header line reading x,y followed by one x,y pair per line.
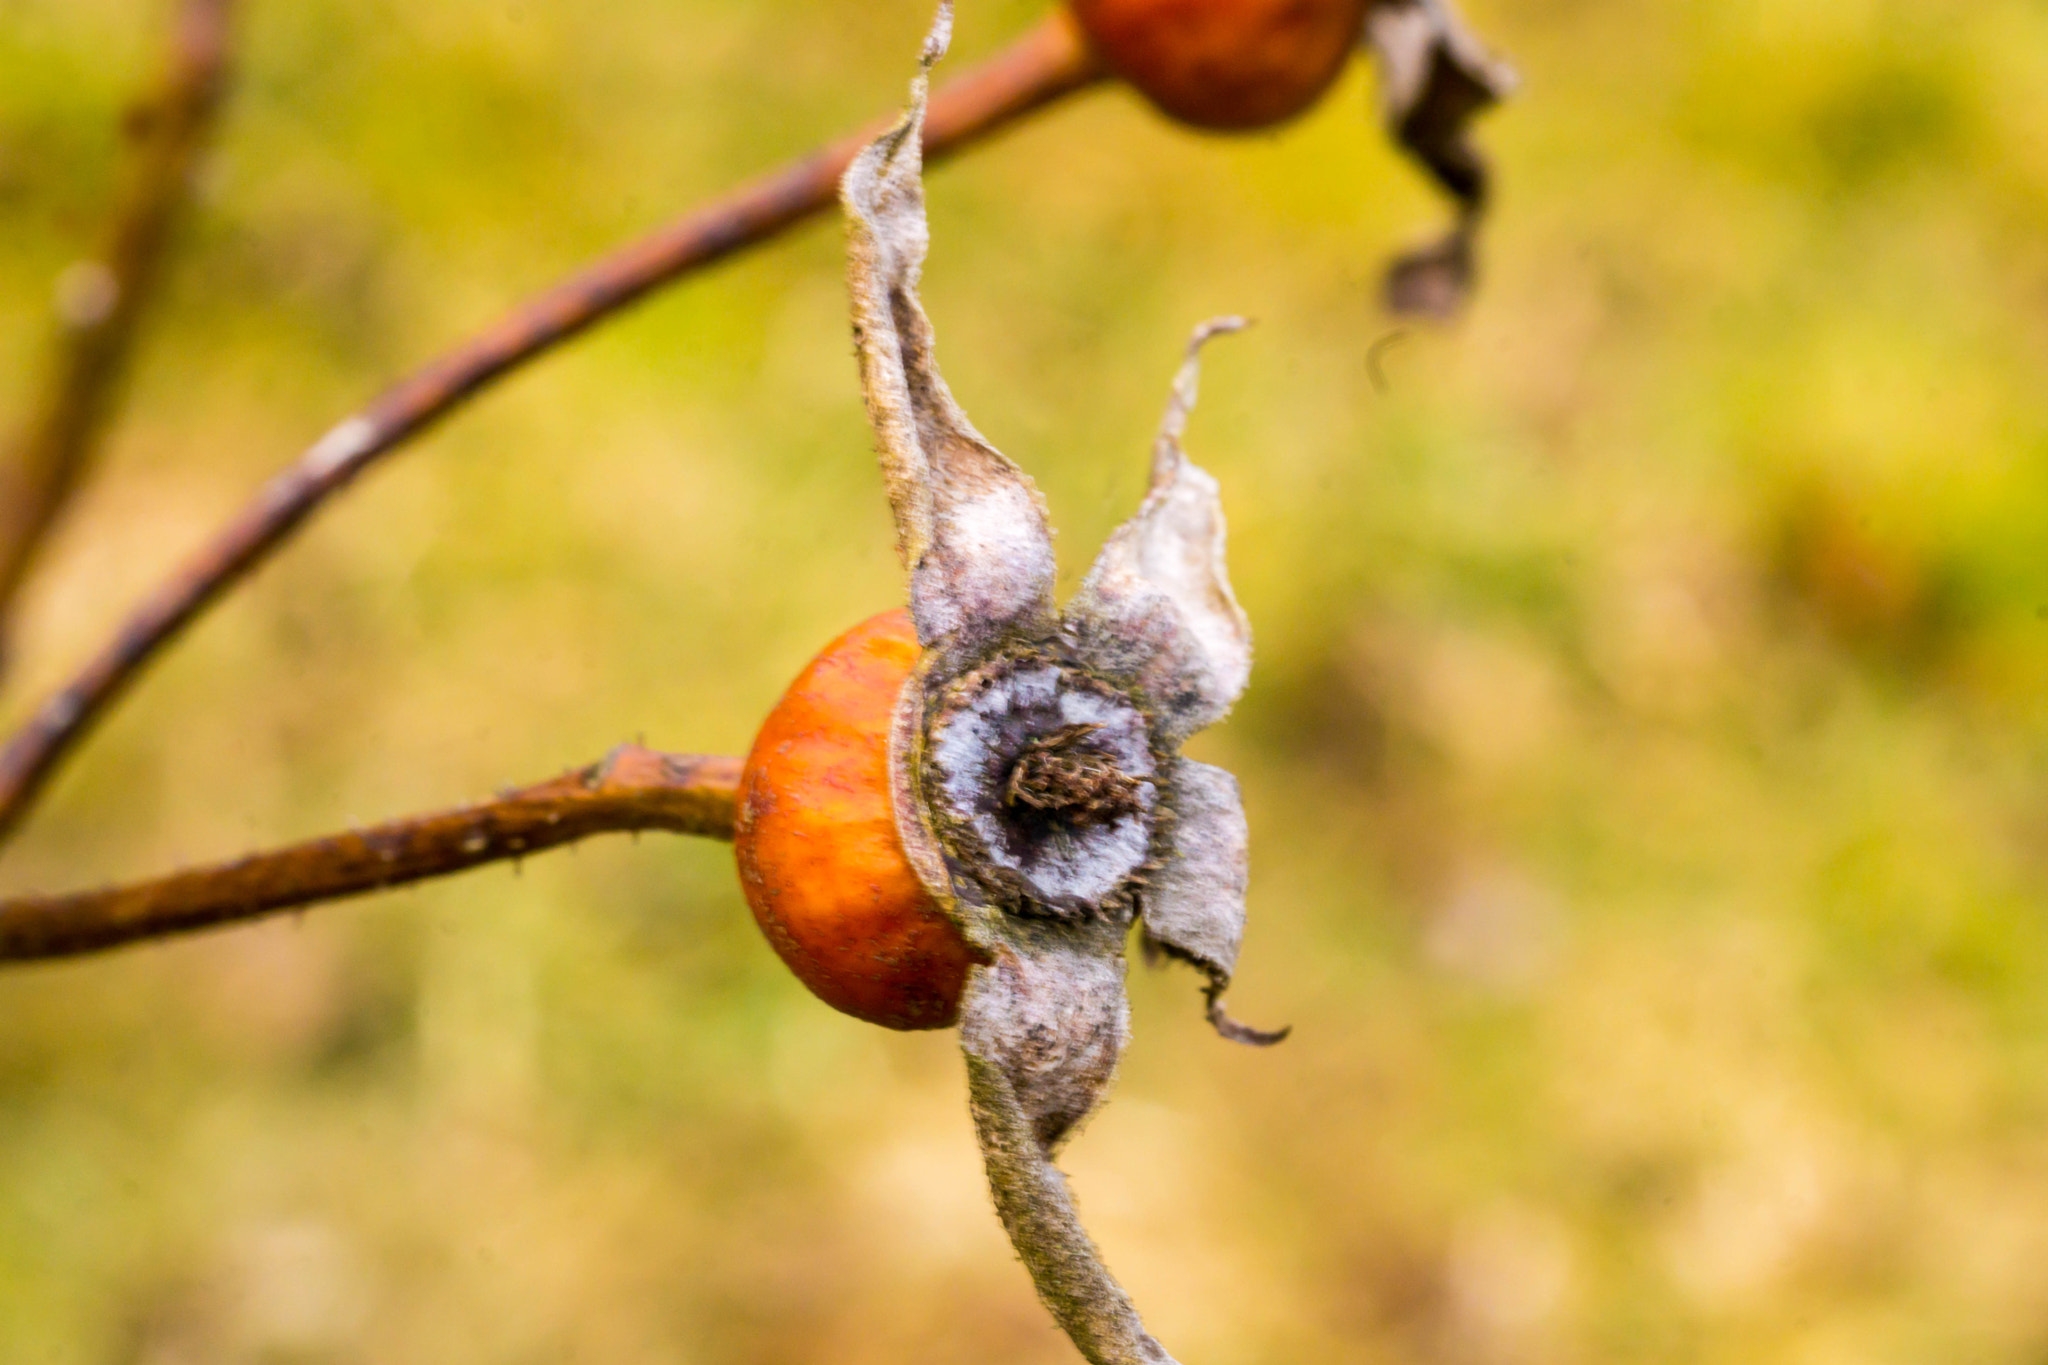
x,y
101,300
1046,64
631,789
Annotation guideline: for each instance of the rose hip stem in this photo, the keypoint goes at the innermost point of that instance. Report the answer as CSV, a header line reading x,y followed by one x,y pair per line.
x,y
631,789
1045,64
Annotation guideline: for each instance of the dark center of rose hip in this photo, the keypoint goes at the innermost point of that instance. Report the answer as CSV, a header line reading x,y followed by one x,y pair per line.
x,y
1068,777
1042,779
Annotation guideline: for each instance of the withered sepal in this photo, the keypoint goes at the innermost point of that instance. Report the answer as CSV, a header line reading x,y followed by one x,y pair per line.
x,y
1039,793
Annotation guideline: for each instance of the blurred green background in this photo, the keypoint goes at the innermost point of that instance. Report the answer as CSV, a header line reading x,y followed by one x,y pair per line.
x,y
1647,756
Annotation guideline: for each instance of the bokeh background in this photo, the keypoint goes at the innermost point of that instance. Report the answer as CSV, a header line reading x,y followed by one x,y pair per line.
x,y
1647,756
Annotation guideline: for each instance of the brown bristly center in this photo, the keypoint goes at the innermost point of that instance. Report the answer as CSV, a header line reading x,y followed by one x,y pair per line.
x,y
1063,775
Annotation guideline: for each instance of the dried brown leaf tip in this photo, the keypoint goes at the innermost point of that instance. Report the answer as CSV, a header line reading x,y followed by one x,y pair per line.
x,y
1239,65
1039,789
1435,76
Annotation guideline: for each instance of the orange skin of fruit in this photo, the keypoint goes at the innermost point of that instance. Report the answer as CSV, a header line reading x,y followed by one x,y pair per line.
x,y
1225,64
820,860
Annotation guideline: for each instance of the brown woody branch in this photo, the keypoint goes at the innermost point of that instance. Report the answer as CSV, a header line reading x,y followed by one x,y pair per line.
x,y
101,300
630,789
1046,64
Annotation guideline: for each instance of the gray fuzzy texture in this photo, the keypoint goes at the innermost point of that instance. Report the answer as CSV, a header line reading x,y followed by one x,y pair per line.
x,y
1031,1196
1097,699
1193,905
970,527
977,733
1156,611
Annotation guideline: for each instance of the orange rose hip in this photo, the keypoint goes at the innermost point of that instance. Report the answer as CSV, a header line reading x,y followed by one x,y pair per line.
x,y
819,857
1229,64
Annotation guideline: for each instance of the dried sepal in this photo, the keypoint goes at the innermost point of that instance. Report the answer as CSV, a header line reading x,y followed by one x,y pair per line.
x,y
1193,907
1156,610
1435,76
970,526
1031,1196
1033,757
1050,1011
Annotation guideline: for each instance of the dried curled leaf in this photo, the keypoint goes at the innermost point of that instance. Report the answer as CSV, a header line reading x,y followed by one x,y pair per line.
x,y
1156,610
970,526
1435,76
1193,906
1050,1013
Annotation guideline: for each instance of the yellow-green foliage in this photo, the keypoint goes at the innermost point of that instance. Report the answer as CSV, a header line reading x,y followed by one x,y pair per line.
x,y
1647,754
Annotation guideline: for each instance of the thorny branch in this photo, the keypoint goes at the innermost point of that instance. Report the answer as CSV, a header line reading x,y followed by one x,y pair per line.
x,y
1044,65
101,300
630,789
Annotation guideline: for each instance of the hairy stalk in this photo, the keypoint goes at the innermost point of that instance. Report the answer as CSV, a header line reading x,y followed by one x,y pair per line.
x,y
630,789
1044,65
100,300
1037,1210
